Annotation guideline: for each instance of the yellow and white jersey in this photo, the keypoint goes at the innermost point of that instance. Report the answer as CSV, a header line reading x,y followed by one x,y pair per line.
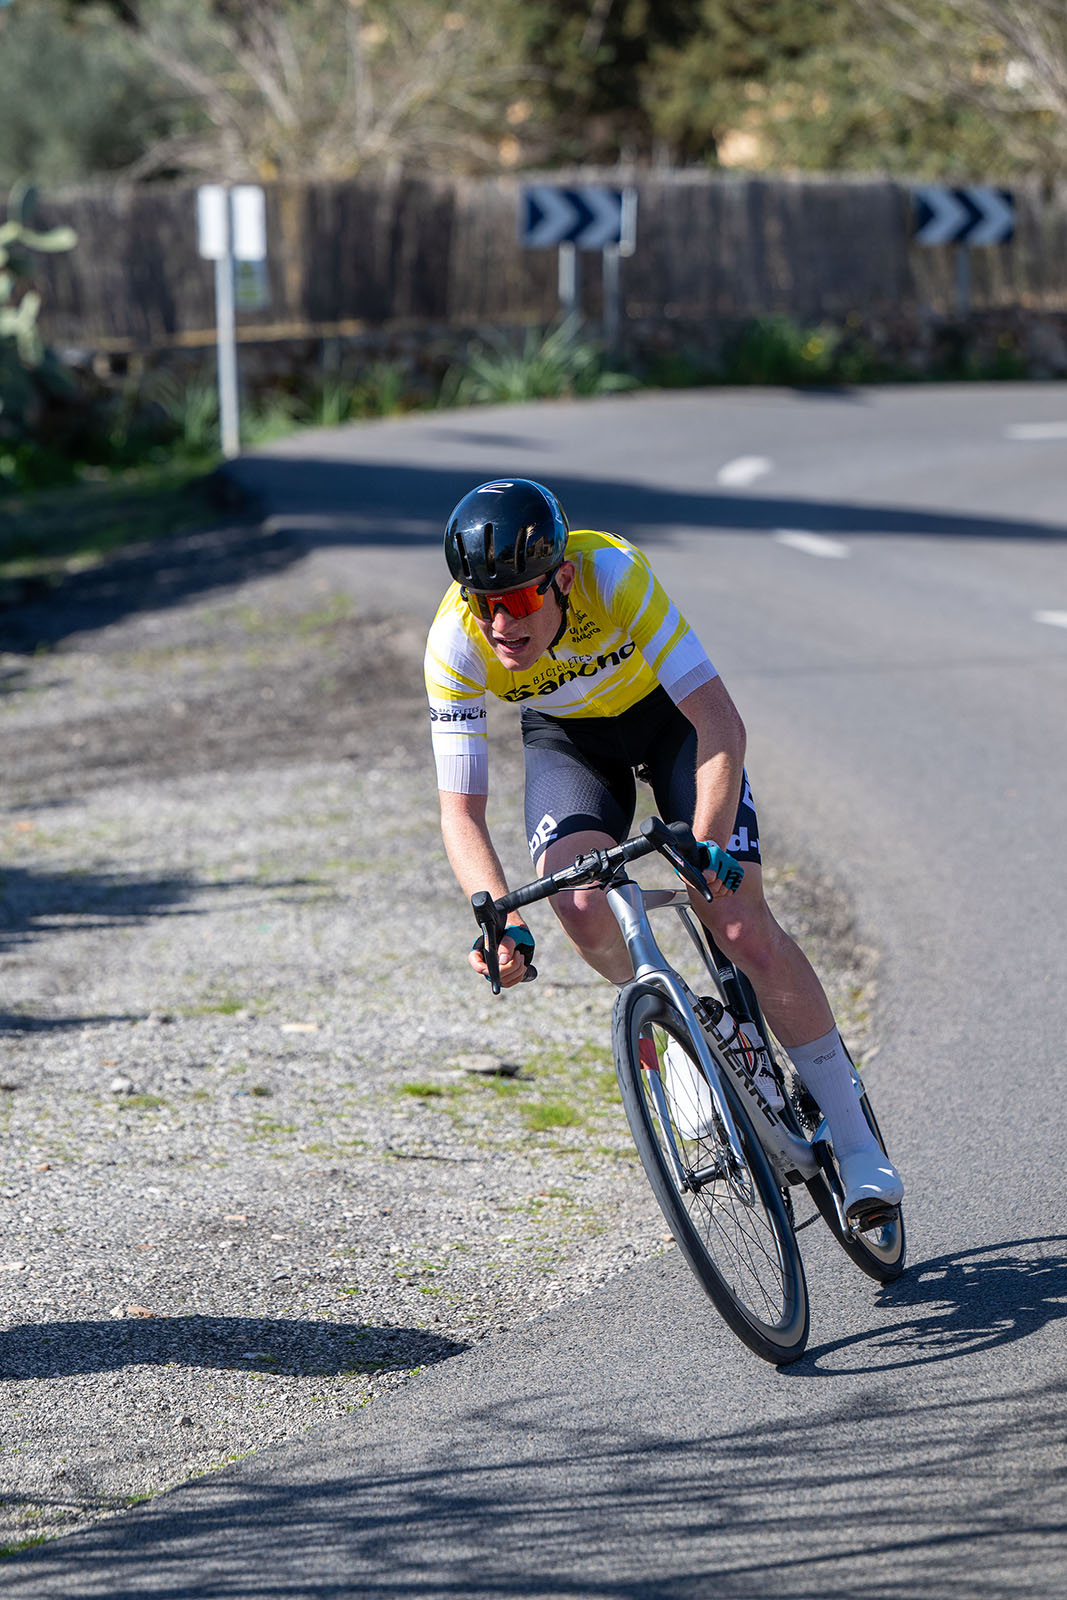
x,y
624,636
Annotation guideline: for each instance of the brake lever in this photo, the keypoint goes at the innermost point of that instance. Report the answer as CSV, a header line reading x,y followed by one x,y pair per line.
x,y
492,929
689,873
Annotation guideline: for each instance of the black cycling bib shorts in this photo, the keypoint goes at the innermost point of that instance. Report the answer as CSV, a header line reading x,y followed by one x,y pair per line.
x,y
580,774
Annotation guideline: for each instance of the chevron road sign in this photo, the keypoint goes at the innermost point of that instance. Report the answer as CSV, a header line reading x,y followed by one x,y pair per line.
x,y
590,218
963,216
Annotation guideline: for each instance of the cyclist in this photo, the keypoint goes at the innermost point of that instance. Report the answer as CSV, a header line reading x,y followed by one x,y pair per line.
x,y
575,628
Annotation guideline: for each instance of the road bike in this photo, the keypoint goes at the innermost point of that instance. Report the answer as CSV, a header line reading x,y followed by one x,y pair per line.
x,y
725,1131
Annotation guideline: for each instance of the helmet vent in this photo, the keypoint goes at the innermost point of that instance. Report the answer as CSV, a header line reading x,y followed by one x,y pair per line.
x,y
461,553
504,534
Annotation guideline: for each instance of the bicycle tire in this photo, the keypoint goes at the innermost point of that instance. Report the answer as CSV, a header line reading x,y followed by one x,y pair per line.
x,y
733,1228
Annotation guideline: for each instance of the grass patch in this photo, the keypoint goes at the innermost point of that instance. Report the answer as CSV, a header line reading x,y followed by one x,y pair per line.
x,y
54,531
423,1091
549,364
18,1545
226,1005
550,1114
142,1102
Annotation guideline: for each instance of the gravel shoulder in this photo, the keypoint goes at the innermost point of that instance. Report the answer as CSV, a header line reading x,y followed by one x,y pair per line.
x,y
266,1148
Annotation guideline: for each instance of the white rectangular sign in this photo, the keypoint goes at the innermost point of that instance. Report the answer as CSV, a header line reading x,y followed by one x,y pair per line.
x,y
249,223
240,212
212,221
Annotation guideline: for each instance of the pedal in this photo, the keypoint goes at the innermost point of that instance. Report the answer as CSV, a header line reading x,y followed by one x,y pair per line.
x,y
868,1218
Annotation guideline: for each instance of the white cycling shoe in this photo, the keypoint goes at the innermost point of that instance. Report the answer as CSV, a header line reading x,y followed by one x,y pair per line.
x,y
687,1093
871,1183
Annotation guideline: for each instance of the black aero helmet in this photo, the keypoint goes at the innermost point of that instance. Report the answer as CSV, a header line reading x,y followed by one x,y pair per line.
x,y
504,535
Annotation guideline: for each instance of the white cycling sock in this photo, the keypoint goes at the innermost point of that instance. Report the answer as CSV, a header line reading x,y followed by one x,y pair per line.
x,y
823,1069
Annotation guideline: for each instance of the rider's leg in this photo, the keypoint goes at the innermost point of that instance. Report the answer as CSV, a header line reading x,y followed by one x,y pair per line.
x,y
796,1008
585,914
579,797
790,995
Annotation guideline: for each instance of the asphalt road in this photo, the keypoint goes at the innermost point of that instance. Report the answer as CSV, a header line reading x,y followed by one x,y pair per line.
x,y
882,579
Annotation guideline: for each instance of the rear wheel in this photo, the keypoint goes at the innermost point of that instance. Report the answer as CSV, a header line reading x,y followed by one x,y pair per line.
x,y
728,1216
880,1251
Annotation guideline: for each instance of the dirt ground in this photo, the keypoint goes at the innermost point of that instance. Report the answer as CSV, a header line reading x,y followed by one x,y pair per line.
x,y
266,1148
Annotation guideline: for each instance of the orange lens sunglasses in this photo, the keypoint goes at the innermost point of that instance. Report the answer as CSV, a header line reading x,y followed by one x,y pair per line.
x,y
516,602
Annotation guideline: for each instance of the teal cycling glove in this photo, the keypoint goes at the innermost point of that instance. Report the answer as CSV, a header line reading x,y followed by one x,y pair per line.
x,y
728,871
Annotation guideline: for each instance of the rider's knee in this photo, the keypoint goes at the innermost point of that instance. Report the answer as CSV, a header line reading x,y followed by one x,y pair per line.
x,y
753,941
586,918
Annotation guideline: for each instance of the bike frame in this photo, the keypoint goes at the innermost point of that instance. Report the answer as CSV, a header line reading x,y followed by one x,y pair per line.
x,y
792,1158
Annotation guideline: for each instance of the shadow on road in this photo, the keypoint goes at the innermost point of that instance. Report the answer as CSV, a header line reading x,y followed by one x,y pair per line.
x,y
955,1305
386,505
20,1022
143,577
578,1510
281,1345
33,903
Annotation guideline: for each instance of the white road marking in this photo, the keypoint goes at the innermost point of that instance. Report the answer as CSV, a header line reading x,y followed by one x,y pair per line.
x,y
812,544
1055,619
738,474
1036,430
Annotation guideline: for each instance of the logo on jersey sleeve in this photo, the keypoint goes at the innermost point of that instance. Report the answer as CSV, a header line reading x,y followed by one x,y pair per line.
x,y
457,713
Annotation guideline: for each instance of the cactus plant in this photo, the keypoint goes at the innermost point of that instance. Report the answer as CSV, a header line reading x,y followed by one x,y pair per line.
x,y
27,372
20,307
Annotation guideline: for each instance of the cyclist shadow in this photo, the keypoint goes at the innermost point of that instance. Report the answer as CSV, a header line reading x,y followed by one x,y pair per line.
x,y
954,1305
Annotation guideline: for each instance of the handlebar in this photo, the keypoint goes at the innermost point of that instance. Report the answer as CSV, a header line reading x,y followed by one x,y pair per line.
x,y
676,843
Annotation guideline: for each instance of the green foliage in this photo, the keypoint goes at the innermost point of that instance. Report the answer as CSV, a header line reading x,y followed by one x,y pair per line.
x,y
192,410
934,88
76,98
740,55
779,350
549,1114
549,365
30,377
326,87
593,57
378,390
50,531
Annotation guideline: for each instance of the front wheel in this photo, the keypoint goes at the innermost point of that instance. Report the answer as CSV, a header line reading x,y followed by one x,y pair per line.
x,y
727,1216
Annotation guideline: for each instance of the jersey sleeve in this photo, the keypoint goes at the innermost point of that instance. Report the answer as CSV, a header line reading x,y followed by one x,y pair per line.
x,y
455,688
631,594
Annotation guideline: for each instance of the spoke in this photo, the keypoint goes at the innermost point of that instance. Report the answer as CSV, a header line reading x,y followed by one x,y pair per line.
x,y
738,1235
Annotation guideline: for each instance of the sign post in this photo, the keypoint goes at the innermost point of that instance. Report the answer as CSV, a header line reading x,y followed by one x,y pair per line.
x,y
587,218
232,232
963,217
567,277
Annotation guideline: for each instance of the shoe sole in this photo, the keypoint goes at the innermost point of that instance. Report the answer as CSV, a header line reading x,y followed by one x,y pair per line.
x,y
867,1215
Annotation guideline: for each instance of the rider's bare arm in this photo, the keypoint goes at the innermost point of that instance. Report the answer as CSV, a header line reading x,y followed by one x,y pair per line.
x,y
720,761
477,866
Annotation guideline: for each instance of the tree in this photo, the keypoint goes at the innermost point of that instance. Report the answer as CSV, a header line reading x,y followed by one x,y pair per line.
x,y
592,57
327,88
749,66
834,85
1002,61
75,100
